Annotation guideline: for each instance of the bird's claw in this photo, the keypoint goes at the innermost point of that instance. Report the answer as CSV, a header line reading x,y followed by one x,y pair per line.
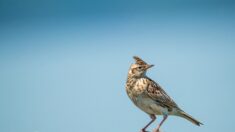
x,y
156,130
142,130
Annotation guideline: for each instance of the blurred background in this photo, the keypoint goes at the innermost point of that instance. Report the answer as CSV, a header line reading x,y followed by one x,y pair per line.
x,y
64,63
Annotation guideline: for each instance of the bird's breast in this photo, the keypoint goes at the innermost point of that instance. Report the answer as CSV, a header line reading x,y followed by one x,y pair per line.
x,y
140,85
134,88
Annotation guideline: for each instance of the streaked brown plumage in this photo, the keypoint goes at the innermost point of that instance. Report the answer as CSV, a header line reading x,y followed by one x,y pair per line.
x,y
149,96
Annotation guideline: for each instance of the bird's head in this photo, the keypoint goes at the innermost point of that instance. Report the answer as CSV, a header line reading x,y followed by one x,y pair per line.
x,y
139,68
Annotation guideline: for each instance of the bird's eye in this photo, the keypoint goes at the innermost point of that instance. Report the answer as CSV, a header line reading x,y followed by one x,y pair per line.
x,y
140,67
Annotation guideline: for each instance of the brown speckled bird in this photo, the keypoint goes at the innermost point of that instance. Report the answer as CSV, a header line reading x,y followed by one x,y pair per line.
x,y
150,97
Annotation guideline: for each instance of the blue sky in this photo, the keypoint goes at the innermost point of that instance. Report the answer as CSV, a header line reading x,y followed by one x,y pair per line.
x,y
63,64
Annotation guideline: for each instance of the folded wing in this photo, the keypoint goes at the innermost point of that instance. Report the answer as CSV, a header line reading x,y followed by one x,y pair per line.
x,y
159,95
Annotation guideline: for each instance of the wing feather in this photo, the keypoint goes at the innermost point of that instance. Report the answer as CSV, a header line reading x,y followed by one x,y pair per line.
x,y
159,95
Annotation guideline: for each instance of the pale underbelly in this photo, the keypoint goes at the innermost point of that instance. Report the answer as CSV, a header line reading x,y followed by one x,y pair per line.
x,y
150,106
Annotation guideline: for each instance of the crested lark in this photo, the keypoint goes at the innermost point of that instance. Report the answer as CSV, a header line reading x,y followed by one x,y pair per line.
x,y
150,97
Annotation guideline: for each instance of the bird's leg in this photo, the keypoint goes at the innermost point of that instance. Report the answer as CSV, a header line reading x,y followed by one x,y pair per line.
x,y
153,117
164,118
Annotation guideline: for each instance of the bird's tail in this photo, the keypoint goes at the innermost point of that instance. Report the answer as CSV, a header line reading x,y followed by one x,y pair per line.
x,y
189,118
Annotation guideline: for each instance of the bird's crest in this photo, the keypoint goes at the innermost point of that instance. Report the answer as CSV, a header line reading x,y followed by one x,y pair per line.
x,y
139,61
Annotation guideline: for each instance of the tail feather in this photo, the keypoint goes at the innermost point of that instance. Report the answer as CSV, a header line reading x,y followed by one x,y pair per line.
x,y
189,118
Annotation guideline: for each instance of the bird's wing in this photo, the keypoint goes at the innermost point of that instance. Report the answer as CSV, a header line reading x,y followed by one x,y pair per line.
x,y
155,92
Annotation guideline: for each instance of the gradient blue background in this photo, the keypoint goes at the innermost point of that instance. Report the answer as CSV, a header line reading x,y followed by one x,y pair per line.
x,y
63,63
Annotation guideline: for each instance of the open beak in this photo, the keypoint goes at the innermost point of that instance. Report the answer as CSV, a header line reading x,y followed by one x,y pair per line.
x,y
149,66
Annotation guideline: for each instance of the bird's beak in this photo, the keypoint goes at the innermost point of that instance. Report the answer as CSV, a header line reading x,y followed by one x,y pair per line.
x,y
149,66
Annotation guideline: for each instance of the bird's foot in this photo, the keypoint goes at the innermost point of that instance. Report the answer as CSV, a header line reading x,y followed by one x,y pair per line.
x,y
156,130
143,130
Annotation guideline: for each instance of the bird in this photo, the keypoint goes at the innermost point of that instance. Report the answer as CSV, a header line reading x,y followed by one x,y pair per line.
x,y
150,97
